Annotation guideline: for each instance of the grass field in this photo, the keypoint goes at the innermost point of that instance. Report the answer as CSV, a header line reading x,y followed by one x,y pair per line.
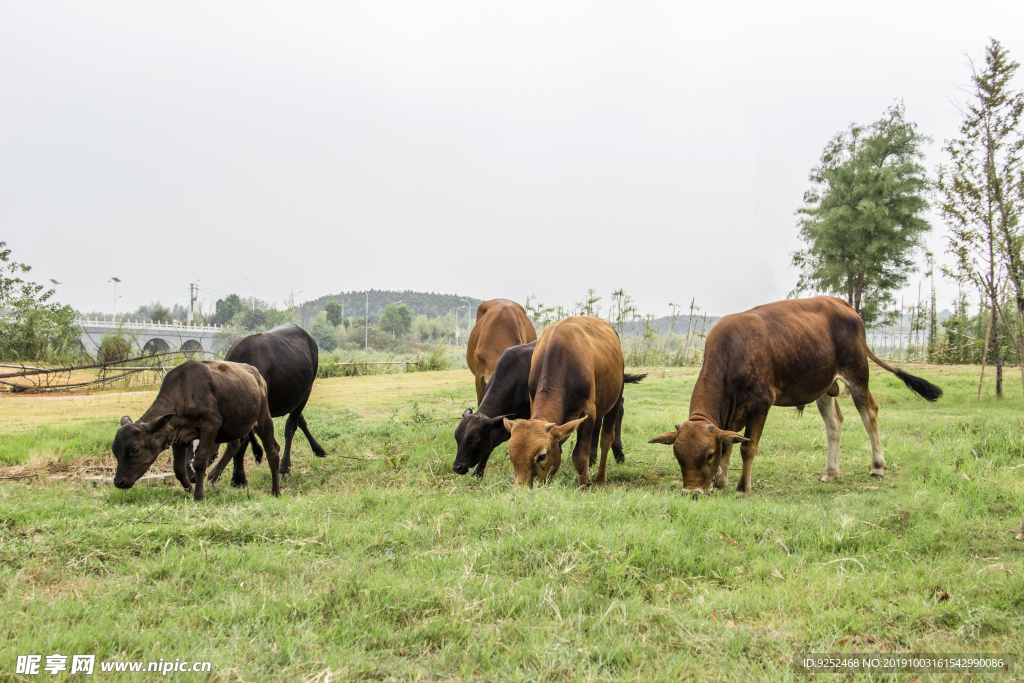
x,y
384,565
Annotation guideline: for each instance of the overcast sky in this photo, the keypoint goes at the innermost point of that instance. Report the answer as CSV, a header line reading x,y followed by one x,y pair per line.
x,y
481,148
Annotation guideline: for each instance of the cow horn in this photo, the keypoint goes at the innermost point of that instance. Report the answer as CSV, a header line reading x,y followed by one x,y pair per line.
x,y
125,421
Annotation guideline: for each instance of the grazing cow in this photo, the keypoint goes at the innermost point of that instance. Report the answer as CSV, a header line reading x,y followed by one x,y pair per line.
x,y
508,395
500,324
787,353
213,401
288,358
575,385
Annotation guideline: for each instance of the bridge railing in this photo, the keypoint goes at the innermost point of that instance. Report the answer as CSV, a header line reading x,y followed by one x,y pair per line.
x,y
136,325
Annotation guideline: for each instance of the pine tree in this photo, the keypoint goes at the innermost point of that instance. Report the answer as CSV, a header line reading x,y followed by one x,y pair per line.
x,y
864,215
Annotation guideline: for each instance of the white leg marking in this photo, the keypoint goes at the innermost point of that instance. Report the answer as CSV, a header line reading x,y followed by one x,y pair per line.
x,y
833,432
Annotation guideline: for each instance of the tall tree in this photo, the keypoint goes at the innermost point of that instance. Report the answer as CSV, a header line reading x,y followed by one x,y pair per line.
x,y
333,310
982,190
32,326
863,218
395,319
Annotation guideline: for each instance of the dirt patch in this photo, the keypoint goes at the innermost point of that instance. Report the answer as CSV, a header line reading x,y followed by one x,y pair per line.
x,y
84,469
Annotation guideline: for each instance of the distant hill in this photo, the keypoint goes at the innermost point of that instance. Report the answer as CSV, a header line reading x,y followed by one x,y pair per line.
x,y
429,304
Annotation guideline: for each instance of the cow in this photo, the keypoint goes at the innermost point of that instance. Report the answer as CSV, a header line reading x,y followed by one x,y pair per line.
x,y
288,358
575,385
500,325
508,395
213,401
787,353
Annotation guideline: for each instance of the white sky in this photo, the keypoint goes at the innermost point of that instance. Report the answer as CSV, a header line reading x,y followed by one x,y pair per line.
x,y
487,149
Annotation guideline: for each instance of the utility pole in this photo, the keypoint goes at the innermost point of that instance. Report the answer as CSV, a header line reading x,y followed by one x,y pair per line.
x,y
366,323
193,294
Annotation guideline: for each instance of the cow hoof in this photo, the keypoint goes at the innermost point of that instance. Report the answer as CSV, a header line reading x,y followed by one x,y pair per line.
x,y
320,454
239,484
878,472
829,477
1020,536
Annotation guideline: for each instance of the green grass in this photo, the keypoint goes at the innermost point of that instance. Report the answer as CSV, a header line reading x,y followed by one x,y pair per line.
x,y
390,567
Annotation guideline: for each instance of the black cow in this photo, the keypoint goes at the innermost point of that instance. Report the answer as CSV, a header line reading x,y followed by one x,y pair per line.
x,y
288,358
213,401
508,395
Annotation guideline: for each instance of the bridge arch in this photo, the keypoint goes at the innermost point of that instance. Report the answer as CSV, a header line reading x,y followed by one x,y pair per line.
x,y
192,346
154,346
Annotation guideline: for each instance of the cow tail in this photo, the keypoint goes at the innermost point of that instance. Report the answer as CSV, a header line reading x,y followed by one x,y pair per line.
x,y
632,379
257,450
921,387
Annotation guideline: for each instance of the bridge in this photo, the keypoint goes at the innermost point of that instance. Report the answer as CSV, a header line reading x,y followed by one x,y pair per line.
x,y
150,337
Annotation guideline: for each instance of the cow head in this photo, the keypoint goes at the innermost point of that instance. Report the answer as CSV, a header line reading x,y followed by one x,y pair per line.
x,y
476,436
136,446
698,446
535,447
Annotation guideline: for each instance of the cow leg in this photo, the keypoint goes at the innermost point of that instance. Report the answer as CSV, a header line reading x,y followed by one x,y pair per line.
x,y
190,455
231,452
581,453
607,437
833,417
868,410
481,389
238,478
595,439
289,431
265,430
180,453
318,450
620,457
206,452
722,478
755,424
479,471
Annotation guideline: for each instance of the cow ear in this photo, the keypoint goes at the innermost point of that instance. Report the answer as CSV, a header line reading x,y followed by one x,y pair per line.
x,y
668,438
467,412
497,421
731,437
562,431
508,424
159,423
125,421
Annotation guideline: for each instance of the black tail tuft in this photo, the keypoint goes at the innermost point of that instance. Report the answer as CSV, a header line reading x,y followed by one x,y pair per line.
x,y
632,379
921,387
800,411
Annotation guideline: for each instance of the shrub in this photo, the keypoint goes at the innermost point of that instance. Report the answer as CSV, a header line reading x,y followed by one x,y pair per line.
x,y
323,333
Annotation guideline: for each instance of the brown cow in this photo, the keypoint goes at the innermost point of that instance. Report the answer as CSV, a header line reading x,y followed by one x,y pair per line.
x,y
213,401
500,325
787,353
575,385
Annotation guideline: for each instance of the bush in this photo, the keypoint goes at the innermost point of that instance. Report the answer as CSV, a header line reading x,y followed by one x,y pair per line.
x,y
323,333
115,347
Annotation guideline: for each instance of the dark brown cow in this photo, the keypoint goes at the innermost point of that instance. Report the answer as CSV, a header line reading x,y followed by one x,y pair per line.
x,y
787,353
500,325
213,401
575,385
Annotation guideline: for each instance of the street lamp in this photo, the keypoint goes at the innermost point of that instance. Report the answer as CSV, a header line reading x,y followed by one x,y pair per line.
x,y
116,297
366,323
469,314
